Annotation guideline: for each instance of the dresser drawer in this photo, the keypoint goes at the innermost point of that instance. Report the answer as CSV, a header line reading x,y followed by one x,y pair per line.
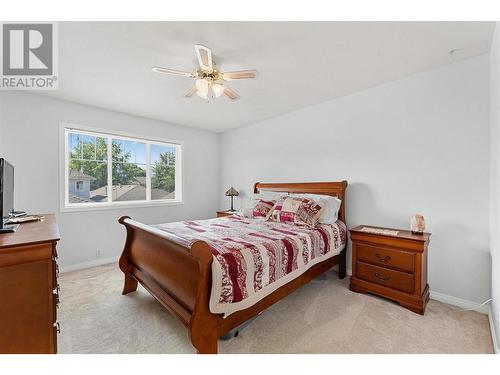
x,y
390,278
384,257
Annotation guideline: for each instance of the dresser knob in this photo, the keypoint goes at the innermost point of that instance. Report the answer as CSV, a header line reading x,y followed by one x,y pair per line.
x,y
383,279
381,258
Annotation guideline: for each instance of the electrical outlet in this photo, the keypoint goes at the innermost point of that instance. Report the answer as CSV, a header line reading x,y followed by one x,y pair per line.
x,y
98,253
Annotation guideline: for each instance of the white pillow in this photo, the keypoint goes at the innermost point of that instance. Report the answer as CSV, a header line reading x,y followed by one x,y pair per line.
x,y
269,195
332,206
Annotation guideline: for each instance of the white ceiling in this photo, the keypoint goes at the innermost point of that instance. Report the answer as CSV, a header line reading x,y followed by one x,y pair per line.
x,y
108,64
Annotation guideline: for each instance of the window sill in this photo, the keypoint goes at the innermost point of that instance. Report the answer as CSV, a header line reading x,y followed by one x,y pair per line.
x,y
82,207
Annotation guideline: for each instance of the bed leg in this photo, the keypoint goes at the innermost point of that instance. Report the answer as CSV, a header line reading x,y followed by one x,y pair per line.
x,y
129,285
203,334
342,264
207,346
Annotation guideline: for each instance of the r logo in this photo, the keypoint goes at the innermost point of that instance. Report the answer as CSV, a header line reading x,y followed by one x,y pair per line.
x,y
27,49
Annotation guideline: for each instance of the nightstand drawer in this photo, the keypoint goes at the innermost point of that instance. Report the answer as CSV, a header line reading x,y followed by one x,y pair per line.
x,y
387,277
386,257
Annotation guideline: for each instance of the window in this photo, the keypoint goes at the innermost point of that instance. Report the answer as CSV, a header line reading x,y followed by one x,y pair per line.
x,y
102,170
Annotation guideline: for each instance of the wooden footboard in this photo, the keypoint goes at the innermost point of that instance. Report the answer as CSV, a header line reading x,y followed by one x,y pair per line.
x,y
178,277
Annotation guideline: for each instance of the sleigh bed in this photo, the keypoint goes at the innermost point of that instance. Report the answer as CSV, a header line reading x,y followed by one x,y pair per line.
x,y
179,273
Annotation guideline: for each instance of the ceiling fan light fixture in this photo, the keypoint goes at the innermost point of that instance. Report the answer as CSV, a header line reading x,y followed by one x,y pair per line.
x,y
202,94
202,87
202,84
218,89
210,82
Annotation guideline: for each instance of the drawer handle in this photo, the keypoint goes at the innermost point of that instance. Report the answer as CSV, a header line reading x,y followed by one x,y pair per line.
x,y
383,279
56,298
383,259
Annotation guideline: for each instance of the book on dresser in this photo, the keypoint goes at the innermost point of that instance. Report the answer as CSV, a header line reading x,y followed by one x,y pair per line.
x,y
29,292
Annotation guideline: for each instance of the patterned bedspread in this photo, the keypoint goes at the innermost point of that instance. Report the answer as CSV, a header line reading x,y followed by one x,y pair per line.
x,y
252,258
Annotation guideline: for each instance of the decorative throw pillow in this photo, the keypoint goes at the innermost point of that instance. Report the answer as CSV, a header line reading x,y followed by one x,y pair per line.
x,y
258,208
332,206
297,210
262,208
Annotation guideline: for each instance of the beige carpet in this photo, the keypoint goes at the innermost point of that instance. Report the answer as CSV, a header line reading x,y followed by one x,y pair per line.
x,y
321,317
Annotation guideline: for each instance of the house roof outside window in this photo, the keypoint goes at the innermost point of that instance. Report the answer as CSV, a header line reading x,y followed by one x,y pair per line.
x,y
77,175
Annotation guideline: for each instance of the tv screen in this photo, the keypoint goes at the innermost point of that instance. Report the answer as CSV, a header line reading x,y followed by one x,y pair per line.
x,y
6,188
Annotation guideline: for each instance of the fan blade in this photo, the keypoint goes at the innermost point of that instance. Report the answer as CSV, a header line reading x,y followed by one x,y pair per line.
x,y
231,94
204,56
159,69
241,74
191,92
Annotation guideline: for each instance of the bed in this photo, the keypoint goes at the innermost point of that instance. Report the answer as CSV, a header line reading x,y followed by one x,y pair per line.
x,y
181,264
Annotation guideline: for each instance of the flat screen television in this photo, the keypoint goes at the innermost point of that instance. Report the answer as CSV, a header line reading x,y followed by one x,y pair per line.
x,y
6,190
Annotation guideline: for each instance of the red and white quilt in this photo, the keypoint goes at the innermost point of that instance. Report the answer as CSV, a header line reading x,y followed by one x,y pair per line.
x,y
252,258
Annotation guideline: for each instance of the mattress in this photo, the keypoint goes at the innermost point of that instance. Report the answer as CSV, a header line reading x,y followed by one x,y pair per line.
x,y
252,258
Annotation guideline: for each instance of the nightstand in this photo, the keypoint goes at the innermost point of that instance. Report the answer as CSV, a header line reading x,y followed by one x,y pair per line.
x,y
391,264
225,213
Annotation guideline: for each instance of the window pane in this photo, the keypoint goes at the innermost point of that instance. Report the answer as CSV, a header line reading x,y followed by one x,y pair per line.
x,y
129,151
129,182
129,171
87,169
163,172
86,147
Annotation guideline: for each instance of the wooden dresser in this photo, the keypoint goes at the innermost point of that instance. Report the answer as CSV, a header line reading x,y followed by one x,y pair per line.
x,y
391,266
29,288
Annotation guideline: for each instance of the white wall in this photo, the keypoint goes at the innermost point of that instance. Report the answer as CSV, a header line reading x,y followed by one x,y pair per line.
x,y
417,145
495,177
31,143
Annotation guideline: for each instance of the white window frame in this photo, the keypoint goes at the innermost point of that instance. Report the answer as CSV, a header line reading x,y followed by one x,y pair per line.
x,y
65,206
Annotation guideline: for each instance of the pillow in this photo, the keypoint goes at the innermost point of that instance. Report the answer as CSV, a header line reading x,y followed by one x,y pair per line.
x,y
262,208
269,195
297,210
258,209
249,203
332,206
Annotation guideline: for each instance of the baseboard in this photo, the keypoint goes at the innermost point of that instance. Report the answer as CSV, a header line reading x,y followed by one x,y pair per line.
x,y
493,333
459,302
92,263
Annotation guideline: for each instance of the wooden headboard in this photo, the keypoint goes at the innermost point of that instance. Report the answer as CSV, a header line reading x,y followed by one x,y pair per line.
x,y
336,189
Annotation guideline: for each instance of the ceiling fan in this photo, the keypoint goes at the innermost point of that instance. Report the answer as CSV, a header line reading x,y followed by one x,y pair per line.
x,y
210,82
